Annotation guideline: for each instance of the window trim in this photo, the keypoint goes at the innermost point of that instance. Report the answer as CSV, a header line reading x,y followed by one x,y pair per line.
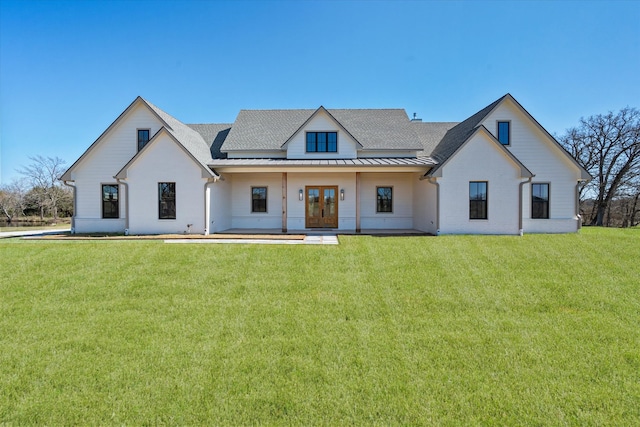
x,y
486,201
508,122
266,199
138,137
306,144
175,204
102,201
377,198
548,184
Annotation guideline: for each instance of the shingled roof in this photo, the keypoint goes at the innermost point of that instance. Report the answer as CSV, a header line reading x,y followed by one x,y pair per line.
x,y
374,129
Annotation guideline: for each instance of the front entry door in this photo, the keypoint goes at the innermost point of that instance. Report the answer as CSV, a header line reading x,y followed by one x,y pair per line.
x,y
322,207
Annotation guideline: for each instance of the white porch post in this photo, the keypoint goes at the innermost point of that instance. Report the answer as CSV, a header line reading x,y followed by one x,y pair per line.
x,y
284,202
357,202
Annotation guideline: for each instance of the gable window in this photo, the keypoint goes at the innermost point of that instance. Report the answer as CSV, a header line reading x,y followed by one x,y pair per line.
x,y
504,133
384,203
110,205
258,199
143,138
167,200
322,142
478,200
540,201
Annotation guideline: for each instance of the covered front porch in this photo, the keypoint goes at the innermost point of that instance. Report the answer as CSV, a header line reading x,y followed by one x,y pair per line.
x,y
392,200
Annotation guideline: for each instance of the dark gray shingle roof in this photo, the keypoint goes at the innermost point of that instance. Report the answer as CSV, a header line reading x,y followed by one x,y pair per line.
x,y
189,138
383,129
214,135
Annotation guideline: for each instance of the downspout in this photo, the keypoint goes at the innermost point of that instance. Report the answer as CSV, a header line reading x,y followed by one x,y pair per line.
x,y
435,182
126,205
578,216
73,218
207,203
520,202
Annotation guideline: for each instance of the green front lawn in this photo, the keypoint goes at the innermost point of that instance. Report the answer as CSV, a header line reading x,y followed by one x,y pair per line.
x,y
450,330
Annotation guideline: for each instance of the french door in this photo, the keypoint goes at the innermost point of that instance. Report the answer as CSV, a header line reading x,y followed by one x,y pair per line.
x,y
321,210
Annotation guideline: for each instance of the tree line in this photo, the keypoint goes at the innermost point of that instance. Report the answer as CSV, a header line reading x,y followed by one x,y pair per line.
x,y
608,147
38,192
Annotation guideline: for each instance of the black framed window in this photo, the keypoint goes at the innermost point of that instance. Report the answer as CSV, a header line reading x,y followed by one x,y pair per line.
x,y
167,200
504,133
322,142
384,203
110,203
478,200
258,199
540,201
143,138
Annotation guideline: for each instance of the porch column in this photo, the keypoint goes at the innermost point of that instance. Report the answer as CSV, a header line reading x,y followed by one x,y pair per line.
x,y
357,202
284,202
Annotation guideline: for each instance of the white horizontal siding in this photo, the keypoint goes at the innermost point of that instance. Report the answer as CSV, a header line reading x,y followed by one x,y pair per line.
x,y
544,159
103,162
321,122
479,160
424,205
165,161
241,215
402,215
346,207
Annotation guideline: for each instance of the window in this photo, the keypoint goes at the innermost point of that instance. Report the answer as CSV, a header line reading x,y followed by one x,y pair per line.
x,y
258,199
322,142
504,133
540,201
110,205
167,200
478,200
143,138
384,199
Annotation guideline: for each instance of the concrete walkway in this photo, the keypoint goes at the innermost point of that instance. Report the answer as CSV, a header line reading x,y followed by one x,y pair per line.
x,y
34,232
309,239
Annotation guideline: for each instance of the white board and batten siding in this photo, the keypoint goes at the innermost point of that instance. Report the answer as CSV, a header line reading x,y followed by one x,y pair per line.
x,y
165,161
547,162
321,122
479,160
99,166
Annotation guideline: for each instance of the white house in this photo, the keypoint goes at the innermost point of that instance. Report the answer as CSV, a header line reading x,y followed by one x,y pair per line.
x,y
497,172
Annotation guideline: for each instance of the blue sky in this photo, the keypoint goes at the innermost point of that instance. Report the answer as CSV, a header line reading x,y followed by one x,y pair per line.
x,y
69,68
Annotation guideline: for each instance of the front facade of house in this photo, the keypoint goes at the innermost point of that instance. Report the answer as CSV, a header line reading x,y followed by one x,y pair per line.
x,y
497,172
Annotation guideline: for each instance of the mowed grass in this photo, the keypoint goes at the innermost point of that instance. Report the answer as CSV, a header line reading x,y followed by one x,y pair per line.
x,y
450,330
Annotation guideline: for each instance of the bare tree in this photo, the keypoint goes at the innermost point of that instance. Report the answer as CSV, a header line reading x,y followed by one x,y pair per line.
x,y
43,174
13,199
608,147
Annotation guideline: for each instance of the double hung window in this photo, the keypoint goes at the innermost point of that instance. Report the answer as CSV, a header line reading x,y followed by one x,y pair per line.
x,y
540,201
478,200
110,204
384,199
258,199
167,200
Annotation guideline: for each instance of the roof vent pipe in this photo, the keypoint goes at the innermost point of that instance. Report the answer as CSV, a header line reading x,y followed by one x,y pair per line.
x,y
415,118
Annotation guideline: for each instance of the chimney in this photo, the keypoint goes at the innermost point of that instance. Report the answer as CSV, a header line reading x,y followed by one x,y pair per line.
x,y
415,118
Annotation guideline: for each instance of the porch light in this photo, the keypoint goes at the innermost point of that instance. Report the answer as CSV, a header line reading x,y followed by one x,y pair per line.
x,y
342,194
300,195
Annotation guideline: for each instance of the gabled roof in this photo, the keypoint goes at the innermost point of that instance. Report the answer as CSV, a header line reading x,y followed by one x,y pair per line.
x,y
190,139
524,172
122,173
315,113
214,136
373,129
